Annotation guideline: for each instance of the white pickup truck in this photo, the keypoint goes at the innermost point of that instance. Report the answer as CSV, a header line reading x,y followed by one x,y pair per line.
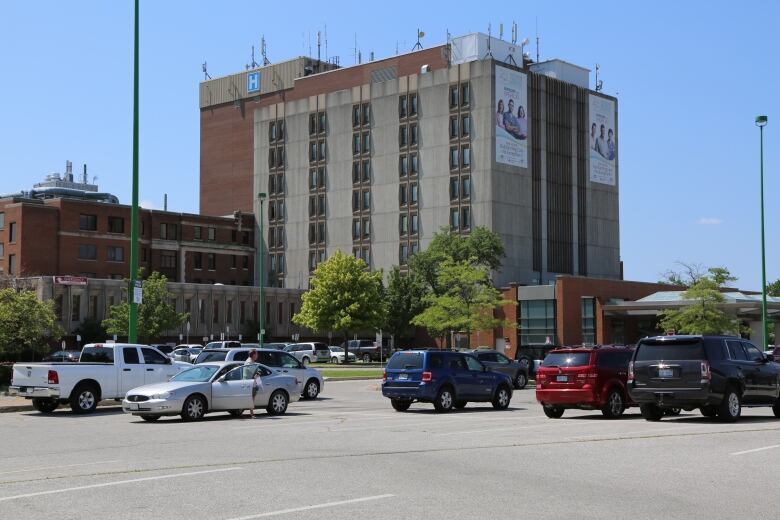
x,y
104,371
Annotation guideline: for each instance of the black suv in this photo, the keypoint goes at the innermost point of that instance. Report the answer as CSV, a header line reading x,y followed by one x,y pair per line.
x,y
717,374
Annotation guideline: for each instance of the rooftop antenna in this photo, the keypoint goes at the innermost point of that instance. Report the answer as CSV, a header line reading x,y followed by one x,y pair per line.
x,y
309,39
514,33
205,72
355,51
599,83
264,51
326,42
318,48
418,45
254,64
396,47
537,39
489,52
501,31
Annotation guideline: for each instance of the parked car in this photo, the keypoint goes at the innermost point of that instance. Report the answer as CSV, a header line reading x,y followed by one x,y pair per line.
x,y
276,346
104,371
165,349
213,387
446,379
716,374
367,350
311,379
498,362
776,354
587,378
63,356
308,352
224,344
337,355
187,353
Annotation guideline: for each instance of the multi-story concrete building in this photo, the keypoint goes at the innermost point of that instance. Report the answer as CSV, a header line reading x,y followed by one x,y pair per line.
x,y
374,159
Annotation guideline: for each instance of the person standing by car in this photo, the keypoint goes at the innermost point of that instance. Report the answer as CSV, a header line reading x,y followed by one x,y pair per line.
x,y
251,360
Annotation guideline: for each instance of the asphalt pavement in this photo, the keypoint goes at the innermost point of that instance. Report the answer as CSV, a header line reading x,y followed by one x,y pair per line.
x,y
348,455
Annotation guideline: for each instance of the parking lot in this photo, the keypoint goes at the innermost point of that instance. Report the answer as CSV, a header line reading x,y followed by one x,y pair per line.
x,y
349,455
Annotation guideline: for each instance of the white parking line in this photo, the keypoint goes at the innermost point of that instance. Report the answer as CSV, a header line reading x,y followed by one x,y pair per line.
x,y
48,468
117,483
309,508
756,449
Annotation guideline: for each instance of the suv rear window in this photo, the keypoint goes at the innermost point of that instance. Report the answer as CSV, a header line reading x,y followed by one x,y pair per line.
x,y
214,355
566,359
667,350
406,361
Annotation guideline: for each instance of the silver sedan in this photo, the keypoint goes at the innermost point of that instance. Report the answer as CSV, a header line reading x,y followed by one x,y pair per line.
x,y
214,387
337,355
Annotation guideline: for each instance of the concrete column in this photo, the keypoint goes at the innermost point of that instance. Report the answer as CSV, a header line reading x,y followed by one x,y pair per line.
x,y
757,333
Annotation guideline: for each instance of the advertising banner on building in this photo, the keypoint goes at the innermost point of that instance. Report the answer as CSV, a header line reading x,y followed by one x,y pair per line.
x,y
603,140
511,117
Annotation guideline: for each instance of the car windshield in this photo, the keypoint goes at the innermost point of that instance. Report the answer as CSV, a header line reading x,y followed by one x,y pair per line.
x,y
213,355
687,350
566,359
199,374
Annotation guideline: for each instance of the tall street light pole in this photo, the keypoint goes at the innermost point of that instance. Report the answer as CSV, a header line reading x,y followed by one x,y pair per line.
x,y
261,277
761,123
132,326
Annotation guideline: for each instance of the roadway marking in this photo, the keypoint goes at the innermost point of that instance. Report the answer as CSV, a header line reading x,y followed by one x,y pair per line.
x,y
309,508
58,467
756,449
117,483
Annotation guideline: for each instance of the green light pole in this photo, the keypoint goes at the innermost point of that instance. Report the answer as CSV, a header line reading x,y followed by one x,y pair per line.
x,y
761,123
132,332
261,277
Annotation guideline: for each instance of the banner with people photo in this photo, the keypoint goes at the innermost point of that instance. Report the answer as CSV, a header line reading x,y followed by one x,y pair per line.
x,y
511,118
603,140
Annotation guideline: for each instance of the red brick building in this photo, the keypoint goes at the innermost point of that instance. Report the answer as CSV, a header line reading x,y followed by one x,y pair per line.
x,y
71,236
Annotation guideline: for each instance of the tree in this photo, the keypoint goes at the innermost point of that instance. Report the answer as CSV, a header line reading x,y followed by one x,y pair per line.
x,y
702,316
343,296
25,321
155,313
689,274
466,303
404,296
773,289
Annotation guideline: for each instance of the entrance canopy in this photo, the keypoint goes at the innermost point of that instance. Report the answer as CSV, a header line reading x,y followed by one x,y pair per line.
x,y
736,303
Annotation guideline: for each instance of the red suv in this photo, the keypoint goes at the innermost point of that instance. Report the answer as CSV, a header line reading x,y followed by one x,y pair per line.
x,y
587,378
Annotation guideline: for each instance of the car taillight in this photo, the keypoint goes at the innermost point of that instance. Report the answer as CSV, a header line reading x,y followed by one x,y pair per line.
x,y
53,377
706,374
384,377
426,376
631,372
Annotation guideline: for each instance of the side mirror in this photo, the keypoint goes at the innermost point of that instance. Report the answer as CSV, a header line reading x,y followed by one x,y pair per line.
x,y
168,361
769,358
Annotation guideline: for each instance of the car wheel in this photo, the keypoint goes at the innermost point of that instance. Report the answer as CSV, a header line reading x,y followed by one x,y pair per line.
x,y
305,361
277,405
312,389
521,379
614,406
366,358
673,411
400,405
731,407
45,405
553,412
150,418
334,359
460,405
502,398
84,399
194,408
236,413
709,411
444,400
651,412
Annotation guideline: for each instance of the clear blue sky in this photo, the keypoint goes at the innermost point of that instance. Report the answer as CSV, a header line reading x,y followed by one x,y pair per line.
x,y
691,76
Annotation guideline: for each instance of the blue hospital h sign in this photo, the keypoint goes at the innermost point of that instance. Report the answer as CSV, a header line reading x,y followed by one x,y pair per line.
x,y
253,82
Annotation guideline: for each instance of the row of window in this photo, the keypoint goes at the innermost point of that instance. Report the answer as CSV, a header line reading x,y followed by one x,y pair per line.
x,y
460,218
407,105
362,253
276,264
316,256
275,237
113,253
361,115
361,171
317,233
318,123
460,157
460,187
317,205
361,228
211,261
276,184
408,224
406,250
408,194
408,135
361,143
317,178
408,165
460,95
89,223
460,126
276,131
361,200
318,151
275,210
276,157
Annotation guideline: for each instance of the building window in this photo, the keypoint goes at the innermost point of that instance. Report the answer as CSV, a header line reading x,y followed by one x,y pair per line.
x,y
12,264
412,104
403,254
215,312
402,107
366,227
233,261
356,115
197,260
115,254
465,94
198,233
272,135
454,158
2,220
323,150
454,96
403,166
402,195
454,188
454,219
366,200
144,252
413,134
403,224
87,252
589,321
403,136
356,229
322,121
465,217
413,247
312,124
244,262
168,231
321,205
212,261
367,255
2,250
454,132
413,193
465,126
12,232
414,225
75,307
466,156
321,232
465,187
168,259
356,172
313,151
292,311
413,163
92,312
366,142
88,222
537,322
271,158
116,225
355,201
202,311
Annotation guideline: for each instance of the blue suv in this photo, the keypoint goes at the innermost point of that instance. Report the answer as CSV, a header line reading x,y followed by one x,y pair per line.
x,y
446,379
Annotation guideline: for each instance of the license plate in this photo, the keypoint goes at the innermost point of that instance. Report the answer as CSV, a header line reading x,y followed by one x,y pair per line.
x,y
665,372
403,377
133,406
562,379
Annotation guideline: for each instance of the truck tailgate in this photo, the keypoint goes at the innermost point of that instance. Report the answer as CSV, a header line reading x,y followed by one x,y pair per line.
x,y
31,375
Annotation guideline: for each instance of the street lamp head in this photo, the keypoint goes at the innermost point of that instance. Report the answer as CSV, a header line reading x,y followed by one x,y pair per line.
x,y
761,120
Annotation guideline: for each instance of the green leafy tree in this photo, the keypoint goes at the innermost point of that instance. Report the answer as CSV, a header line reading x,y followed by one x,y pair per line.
x,y
688,274
467,301
155,313
703,315
26,322
344,297
404,296
773,289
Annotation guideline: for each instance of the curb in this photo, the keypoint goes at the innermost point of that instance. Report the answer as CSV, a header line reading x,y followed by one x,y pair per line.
x,y
29,407
358,378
